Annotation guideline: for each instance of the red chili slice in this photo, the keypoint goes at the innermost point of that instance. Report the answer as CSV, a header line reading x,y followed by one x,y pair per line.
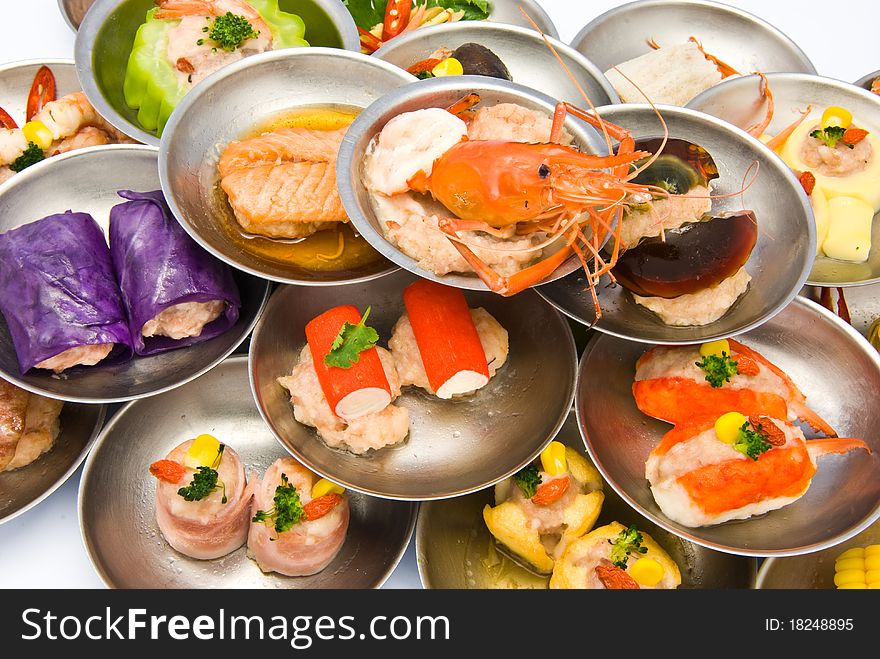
x,y
168,471
7,121
42,91
396,17
317,508
369,40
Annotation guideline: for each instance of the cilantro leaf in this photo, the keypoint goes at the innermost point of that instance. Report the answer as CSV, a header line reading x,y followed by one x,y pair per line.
x,y
528,480
752,443
718,369
30,156
830,135
628,541
288,509
351,341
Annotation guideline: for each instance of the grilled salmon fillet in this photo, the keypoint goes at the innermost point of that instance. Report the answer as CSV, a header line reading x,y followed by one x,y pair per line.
x,y
283,184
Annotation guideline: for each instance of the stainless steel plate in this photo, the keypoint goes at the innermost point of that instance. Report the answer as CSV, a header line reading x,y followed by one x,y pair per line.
x,y
863,303
16,79
832,364
814,570
778,266
87,181
455,549
740,39
436,92
117,496
738,101
507,11
523,51
22,489
252,92
454,447
74,11
868,80
105,37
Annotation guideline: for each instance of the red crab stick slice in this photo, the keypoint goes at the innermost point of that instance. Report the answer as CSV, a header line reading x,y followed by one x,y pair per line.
x,y
449,344
351,392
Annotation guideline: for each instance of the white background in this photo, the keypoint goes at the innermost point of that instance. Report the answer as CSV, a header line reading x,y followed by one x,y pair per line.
x,y
43,549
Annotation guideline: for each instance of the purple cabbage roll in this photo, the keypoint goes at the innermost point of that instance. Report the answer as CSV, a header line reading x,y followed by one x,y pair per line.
x,y
176,294
59,295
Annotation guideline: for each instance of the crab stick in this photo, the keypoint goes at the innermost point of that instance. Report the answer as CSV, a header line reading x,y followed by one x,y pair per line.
x,y
351,392
449,344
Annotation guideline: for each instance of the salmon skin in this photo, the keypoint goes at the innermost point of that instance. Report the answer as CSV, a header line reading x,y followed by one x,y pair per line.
x,y
283,184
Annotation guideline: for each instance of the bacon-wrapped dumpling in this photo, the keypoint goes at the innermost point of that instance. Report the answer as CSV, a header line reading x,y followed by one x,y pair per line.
x,y
202,498
299,520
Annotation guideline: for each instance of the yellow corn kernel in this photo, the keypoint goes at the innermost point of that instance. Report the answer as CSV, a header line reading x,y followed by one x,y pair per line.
x,y
855,552
553,459
835,116
38,133
872,562
323,486
715,348
849,576
853,586
448,67
646,571
727,427
203,452
872,550
849,564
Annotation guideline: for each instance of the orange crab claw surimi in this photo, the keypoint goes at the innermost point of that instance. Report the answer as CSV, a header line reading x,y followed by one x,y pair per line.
x,y
677,400
832,445
796,401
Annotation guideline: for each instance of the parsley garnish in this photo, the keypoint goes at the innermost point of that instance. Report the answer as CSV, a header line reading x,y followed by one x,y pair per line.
x,y
205,481
718,369
628,541
351,341
752,443
30,156
830,135
528,480
229,31
288,509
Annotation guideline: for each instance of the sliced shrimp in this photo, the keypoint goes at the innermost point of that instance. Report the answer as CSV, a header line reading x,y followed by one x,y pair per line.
x,y
66,116
176,9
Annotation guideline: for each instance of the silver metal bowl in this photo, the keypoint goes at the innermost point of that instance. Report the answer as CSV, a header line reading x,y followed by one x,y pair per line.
x,y
523,51
117,496
454,447
74,11
740,39
454,548
24,488
436,92
832,364
867,81
239,98
87,181
508,11
106,35
778,267
863,303
738,101
811,571
16,79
